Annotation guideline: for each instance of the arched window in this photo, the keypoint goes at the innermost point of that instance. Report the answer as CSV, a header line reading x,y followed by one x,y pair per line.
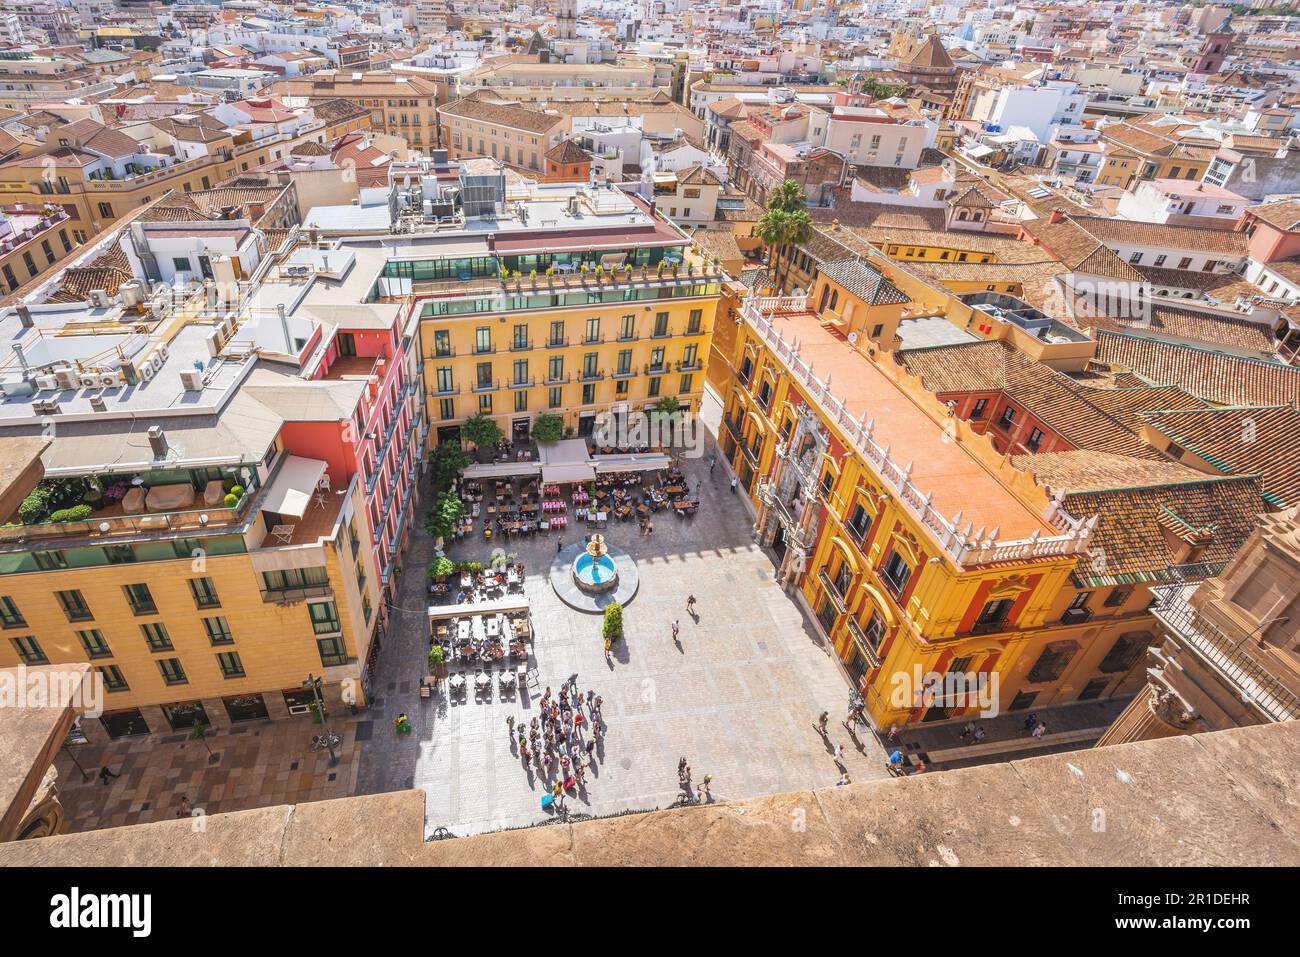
x,y
835,299
826,291
962,216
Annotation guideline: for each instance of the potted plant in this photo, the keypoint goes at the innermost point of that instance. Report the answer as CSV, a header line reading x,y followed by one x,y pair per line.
x,y
437,666
199,734
612,626
441,568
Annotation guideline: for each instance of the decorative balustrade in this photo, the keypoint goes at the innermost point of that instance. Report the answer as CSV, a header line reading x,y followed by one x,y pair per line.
x,y
964,545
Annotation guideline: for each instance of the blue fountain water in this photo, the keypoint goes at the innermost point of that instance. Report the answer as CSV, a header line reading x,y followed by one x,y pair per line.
x,y
596,571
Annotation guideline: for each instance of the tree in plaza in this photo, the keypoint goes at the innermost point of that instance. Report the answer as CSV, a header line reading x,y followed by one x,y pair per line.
x,y
666,412
199,734
441,522
548,428
612,627
445,462
482,430
786,223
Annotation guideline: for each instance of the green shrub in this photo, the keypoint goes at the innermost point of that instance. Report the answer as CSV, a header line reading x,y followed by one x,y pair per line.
x,y
435,657
482,430
237,491
35,506
442,567
77,513
231,500
548,428
613,625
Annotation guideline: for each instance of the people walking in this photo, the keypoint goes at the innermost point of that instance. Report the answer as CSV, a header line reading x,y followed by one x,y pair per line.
x,y
184,809
559,544
844,779
105,774
676,629
1031,723
510,726
968,730
822,720
1039,730
893,732
978,735
704,788
712,464
690,604
733,485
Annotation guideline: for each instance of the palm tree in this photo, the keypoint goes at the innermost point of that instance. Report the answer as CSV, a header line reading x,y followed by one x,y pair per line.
x,y
782,229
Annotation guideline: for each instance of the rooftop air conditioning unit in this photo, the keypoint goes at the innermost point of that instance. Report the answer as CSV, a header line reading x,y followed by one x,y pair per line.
x,y
98,404
192,380
67,379
110,380
99,298
45,407
46,383
88,380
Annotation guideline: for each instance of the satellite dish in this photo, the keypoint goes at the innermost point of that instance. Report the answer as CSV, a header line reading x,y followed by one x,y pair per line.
x,y
853,337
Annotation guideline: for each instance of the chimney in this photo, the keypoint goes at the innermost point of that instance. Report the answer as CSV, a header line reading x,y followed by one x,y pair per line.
x,y
157,441
25,316
1056,216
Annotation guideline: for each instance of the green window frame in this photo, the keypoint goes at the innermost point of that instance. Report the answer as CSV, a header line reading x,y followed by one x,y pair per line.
x,y
218,631
324,617
173,672
29,650
10,616
231,665
155,636
205,593
74,605
93,641
114,680
140,599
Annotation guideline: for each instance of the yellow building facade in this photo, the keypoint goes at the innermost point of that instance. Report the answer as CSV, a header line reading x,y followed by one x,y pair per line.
x,y
220,629
573,346
928,561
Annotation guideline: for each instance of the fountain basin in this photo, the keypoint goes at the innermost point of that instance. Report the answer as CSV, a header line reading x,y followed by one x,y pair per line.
x,y
594,574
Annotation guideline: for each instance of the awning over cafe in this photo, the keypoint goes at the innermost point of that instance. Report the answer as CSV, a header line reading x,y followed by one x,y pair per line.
x,y
644,462
499,606
575,472
567,461
496,470
293,486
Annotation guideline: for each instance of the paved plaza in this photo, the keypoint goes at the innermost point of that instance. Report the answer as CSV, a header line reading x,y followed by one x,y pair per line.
x,y
738,698
254,764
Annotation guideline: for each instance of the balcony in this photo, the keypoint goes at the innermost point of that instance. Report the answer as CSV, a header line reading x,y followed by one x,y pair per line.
x,y
624,374
109,521
832,592
1229,657
642,284
484,350
522,383
486,386
557,380
557,343
283,596
865,645
521,346
591,376
1075,616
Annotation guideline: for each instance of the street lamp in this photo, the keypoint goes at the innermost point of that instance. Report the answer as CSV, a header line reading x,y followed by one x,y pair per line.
x,y
328,740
